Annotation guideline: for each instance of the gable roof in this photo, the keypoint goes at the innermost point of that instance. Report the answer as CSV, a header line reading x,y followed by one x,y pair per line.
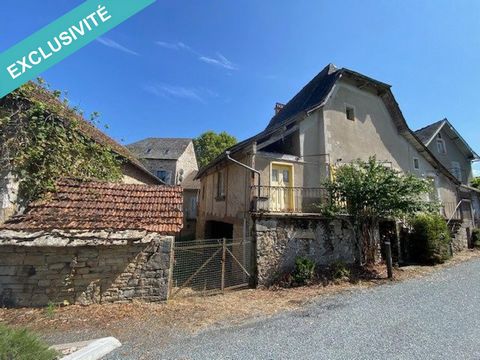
x,y
159,148
104,206
311,95
428,133
315,94
35,92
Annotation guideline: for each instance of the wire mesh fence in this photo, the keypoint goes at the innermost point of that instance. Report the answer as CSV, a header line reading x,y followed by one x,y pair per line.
x,y
203,267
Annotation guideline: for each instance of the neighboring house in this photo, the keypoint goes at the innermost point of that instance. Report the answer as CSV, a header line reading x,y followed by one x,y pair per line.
x,y
451,149
91,242
133,170
173,161
338,117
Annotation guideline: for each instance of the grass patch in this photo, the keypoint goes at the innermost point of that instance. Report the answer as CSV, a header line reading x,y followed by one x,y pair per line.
x,y
19,344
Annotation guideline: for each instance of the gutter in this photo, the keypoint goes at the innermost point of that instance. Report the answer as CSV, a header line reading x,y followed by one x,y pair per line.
x,y
227,154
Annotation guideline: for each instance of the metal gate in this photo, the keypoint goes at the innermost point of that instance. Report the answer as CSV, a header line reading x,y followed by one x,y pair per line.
x,y
203,267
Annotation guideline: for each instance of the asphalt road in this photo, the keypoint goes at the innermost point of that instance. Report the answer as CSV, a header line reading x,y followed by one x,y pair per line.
x,y
435,317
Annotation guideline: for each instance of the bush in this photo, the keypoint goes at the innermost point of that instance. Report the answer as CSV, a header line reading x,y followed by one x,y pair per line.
x,y
22,345
476,237
304,271
340,270
429,242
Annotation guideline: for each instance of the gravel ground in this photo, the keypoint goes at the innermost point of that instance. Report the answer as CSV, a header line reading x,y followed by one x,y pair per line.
x,y
433,317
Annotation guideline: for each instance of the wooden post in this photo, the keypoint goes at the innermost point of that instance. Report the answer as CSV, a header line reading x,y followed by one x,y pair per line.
x,y
388,255
224,254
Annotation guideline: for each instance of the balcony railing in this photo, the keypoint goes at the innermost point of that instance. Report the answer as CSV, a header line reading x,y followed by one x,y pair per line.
x,y
280,199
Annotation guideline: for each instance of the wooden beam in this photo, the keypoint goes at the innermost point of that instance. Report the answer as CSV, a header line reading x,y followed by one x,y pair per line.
x,y
276,138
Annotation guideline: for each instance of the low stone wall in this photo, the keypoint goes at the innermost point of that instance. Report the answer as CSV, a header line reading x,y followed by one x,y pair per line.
x,y
280,240
83,268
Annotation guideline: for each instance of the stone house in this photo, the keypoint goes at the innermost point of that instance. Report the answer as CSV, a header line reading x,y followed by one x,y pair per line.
x,y
267,185
91,242
173,161
451,149
134,172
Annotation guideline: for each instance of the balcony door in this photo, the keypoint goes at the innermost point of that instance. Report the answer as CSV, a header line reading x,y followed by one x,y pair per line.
x,y
281,194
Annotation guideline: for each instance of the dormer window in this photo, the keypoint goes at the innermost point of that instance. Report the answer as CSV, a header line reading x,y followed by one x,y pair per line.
x,y
350,112
441,148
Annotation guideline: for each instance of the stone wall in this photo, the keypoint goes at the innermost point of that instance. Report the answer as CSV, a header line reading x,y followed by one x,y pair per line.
x,y
8,195
35,268
280,240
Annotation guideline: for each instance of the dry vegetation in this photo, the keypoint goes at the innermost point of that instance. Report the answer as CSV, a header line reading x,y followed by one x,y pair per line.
x,y
192,314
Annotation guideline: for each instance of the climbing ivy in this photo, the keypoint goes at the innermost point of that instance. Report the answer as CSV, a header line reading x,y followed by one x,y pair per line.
x,y
40,142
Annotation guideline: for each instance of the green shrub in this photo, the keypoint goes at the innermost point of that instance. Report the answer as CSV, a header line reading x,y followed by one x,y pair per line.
x,y
304,271
429,242
22,345
476,237
340,270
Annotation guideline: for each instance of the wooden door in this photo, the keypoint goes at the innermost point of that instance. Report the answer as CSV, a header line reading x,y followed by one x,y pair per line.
x,y
281,188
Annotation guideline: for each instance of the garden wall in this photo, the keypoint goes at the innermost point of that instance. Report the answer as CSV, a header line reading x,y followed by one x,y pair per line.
x,y
280,240
83,267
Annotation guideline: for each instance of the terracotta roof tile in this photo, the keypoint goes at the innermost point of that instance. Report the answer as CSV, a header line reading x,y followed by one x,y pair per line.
x,y
100,205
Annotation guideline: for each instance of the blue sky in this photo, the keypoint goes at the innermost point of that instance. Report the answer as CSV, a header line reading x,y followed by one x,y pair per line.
x,y
179,68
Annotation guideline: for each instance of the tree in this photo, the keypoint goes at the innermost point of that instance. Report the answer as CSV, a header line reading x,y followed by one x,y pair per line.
x,y
369,191
476,182
210,144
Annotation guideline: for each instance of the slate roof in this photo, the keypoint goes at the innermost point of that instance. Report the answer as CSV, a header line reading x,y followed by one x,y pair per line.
x,y
104,206
159,148
425,134
65,113
311,95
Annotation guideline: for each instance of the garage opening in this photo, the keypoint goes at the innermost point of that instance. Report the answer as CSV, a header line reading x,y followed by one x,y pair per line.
x,y
218,230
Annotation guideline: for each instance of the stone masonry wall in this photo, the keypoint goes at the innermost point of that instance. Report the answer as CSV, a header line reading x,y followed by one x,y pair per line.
x,y
36,275
281,240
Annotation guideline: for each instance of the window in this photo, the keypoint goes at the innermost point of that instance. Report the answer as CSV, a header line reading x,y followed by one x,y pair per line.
x,y
220,185
165,176
457,170
442,149
350,112
286,176
416,163
275,175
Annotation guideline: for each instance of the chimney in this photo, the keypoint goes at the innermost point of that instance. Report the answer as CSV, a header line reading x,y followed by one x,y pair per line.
x,y
278,107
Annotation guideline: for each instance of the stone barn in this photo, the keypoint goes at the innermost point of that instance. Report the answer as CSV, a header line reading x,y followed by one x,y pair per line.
x,y
91,242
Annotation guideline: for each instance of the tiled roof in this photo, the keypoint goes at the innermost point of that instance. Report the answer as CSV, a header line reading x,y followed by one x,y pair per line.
x,y
159,148
104,206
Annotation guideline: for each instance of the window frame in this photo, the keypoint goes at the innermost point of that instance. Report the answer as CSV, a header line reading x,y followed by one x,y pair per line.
x,y
349,107
440,140
416,163
168,172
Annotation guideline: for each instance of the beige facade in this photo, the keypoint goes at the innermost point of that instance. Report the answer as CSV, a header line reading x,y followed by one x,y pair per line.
x,y
312,144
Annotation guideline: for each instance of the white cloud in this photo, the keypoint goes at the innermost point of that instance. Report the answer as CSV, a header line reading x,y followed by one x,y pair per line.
x,y
219,60
476,172
180,92
115,45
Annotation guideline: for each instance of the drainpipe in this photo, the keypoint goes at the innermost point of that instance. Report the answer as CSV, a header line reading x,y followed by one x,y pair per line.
x,y
227,153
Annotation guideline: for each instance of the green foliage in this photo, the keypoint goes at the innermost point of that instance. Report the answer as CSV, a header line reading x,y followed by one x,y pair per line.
x,y
22,345
340,270
41,142
210,144
304,271
50,309
429,241
476,182
476,237
370,191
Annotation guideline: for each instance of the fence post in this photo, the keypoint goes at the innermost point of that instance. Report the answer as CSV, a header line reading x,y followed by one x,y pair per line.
x,y
224,254
388,255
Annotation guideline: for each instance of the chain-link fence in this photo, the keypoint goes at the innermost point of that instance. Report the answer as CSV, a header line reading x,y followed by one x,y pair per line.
x,y
203,267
